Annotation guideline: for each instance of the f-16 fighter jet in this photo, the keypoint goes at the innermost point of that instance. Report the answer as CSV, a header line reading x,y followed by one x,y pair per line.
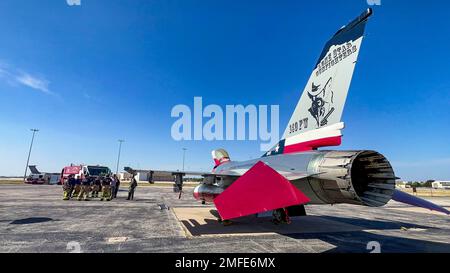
x,y
295,172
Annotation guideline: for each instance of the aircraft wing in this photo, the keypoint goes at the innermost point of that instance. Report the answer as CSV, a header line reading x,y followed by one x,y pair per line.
x,y
162,172
183,173
223,173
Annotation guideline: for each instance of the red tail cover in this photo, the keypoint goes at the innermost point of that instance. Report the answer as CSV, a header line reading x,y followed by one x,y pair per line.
x,y
260,189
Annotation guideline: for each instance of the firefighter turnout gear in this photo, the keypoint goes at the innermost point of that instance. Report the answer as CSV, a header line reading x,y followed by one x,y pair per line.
x,y
77,187
68,185
85,188
106,189
96,186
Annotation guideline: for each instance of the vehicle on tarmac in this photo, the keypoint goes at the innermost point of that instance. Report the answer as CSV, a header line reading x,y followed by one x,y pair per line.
x,y
80,171
37,177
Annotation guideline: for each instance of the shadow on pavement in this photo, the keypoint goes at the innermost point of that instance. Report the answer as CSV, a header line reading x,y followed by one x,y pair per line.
x,y
31,220
346,234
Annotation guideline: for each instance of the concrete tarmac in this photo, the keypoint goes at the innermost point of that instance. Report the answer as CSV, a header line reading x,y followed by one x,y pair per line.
x,y
34,218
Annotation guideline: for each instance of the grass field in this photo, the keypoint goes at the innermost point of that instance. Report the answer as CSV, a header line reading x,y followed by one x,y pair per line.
x,y
428,192
11,181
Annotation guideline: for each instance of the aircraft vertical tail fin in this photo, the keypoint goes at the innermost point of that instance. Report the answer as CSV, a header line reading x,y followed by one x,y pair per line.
x,y
33,169
316,121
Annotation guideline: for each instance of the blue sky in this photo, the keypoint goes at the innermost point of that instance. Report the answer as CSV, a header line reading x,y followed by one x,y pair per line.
x,y
91,74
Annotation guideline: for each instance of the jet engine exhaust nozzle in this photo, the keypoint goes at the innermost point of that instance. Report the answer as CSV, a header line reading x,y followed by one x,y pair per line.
x,y
354,177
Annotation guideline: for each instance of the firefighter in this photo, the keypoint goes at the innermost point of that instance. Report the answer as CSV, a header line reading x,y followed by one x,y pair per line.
x,y
85,188
68,187
131,188
96,184
77,187
106,189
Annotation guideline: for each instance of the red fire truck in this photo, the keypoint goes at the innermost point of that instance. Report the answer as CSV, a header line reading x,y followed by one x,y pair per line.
x,y
80,171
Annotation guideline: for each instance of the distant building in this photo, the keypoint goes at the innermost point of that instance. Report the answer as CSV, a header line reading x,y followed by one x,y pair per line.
x,y
154,176
124,176
441,185
146,176
401,184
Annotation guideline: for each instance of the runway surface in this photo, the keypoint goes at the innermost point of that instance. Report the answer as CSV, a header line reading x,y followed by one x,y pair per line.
x,y
34,218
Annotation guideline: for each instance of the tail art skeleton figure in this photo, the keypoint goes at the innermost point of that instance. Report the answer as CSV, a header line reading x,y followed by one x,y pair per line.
x,y
321,103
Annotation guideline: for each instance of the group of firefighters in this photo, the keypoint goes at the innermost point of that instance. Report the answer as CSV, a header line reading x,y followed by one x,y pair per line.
x,y
105,185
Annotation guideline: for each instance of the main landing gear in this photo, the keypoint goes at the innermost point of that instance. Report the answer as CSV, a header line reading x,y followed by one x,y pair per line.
x,y
224,222
282,216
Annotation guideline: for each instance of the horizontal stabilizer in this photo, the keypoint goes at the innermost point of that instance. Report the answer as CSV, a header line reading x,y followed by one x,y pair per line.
x,y
260,189
409,199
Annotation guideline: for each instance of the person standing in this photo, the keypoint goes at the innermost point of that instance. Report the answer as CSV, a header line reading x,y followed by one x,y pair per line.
x,y
106,189
113,186
85,186
131,188
68,187
96,185
116,190
77,186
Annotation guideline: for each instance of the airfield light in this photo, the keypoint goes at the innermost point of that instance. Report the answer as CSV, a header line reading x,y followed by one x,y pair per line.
x,y
184,156
118,156
29,153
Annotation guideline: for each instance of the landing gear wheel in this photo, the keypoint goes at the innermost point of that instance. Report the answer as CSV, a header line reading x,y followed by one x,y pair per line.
x,y
224,222
280,216
227,223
